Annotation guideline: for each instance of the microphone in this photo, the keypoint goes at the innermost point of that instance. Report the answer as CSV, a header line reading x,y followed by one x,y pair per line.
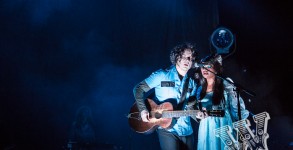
x,y
196,70
198,65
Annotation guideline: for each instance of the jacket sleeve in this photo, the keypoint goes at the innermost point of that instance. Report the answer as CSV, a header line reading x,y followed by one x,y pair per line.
x,y
139,93
233,102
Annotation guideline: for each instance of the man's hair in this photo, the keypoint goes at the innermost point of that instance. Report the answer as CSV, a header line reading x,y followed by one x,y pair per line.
x,y
177,52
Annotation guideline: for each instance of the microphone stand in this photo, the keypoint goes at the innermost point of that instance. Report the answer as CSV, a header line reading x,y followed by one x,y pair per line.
x,y
238,89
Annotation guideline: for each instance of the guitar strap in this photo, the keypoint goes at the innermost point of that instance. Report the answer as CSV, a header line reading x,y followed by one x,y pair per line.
x,y
183,94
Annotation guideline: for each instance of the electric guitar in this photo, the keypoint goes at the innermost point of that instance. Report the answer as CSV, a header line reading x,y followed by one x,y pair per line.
x,y
161,115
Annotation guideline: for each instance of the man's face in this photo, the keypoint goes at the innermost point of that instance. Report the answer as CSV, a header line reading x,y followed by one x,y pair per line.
x,y
185,62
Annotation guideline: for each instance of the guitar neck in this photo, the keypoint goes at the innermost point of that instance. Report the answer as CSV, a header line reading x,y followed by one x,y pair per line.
x,y
179,113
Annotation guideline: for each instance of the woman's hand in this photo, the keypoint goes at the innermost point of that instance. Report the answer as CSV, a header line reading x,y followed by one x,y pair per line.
x,y
202,114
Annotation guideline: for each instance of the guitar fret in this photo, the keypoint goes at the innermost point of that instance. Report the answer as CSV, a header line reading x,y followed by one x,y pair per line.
x,y
170,114
180,113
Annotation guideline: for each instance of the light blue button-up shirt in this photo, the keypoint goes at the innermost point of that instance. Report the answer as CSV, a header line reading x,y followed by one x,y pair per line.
x,y
168,86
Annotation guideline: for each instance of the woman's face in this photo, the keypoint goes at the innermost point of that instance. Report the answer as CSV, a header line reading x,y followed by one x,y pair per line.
x,y
207,74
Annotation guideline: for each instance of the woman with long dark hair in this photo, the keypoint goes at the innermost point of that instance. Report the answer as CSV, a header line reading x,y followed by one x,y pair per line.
x,y
216,94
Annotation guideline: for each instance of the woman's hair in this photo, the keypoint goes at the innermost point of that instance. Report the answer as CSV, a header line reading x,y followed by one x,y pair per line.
x,y
218,88
177,52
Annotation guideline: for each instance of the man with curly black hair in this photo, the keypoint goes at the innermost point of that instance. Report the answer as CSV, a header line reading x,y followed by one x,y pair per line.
x,y
169,86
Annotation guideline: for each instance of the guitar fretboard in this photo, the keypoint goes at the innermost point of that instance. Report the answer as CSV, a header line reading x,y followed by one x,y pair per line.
x,y
179,113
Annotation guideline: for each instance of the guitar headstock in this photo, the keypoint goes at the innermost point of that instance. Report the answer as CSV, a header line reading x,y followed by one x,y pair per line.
x,y
216,113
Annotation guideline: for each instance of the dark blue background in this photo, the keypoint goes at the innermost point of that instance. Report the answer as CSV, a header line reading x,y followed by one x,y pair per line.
x,y
56,56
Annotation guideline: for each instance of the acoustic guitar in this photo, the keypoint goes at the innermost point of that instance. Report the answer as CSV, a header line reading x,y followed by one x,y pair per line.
x,y
161,115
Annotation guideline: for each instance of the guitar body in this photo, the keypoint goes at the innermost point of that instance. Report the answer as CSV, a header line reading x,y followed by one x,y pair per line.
x,y
156,120
161,115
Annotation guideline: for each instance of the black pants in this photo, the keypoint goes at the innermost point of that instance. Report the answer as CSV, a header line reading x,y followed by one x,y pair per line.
x,y
170,141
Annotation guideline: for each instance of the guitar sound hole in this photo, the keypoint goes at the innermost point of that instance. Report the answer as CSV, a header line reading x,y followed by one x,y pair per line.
x,y
158,115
